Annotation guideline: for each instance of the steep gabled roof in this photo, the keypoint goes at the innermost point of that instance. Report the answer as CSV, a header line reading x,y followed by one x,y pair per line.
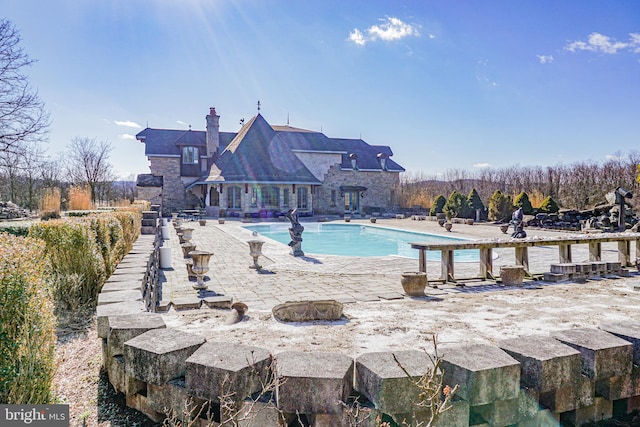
x,y
258,154
167,142
367,155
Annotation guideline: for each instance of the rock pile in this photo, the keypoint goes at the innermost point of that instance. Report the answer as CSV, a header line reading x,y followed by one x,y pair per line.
x,y
9,210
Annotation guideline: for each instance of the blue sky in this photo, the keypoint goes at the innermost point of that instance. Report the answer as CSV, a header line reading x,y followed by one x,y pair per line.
x,y
446,84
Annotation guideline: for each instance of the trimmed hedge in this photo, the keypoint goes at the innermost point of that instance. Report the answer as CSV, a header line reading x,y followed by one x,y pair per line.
x,y
27,323
84,251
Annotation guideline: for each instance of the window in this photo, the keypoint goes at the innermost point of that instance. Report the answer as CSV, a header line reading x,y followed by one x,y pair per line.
x,y
270,195
303,198
190,155
285,197
234,197
254,197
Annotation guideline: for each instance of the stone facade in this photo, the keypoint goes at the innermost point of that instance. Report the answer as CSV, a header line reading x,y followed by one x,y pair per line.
x,y
173,191
378,196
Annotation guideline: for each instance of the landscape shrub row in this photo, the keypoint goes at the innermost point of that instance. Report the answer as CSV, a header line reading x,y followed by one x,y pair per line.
x,y
84,251
27,323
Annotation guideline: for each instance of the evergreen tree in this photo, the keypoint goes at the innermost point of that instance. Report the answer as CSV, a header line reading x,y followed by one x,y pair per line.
x,y
456,206
475,202
438,204
522,201
500,207
549,205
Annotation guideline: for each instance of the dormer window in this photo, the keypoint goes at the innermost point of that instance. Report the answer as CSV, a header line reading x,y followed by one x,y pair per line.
x,y
190,155
354,161
382,157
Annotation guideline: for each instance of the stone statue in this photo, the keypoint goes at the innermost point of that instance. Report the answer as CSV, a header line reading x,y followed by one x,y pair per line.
x,y
296,233
518,224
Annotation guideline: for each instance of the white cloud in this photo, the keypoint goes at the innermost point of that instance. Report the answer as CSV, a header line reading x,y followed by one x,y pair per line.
x,y
126,136
545,59
180,122
357,37
612,157
482,165
128,123
391,29
601,43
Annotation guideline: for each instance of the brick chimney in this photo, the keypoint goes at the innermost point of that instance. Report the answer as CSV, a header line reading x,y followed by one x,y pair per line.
x,y
213,132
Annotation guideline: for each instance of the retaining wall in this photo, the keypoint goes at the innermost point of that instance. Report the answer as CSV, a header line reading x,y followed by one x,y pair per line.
x,y
573,376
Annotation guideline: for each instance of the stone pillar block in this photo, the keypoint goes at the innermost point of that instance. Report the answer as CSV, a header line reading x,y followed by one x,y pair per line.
x,y
528,403
173,397
378,376
484,372
119,296
314,383
561,399
586,391
220,369
253,414
159,355
599,268
119,379
499,413
140,403
621,386
614,267
545,363
103,312
456,416
603,355
602,409
628,330
567,269
123,328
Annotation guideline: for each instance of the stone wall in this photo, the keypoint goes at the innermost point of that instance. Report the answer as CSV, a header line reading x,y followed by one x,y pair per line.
x,y
379,194
173,191
571,377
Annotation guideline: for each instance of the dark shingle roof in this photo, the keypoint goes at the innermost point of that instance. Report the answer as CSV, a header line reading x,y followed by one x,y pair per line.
x,y
167,142
367,155
258,154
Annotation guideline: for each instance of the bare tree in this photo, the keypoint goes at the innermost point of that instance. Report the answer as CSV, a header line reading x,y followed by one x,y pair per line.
x,y
88,164
22,114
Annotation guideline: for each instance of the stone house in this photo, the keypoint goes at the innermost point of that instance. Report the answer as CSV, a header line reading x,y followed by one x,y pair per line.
x,y
264,170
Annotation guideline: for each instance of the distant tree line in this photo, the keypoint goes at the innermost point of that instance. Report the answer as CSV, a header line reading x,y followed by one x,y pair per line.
x,y
580,185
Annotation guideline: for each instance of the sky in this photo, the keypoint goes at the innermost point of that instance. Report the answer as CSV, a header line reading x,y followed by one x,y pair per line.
x,y
446,84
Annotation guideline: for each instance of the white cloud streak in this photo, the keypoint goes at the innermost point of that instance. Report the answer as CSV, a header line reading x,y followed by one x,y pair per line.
x,y
128,124
482,165
391,29
126,136
545,59
601,43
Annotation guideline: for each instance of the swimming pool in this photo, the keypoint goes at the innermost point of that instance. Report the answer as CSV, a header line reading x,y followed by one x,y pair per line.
x,y
361,240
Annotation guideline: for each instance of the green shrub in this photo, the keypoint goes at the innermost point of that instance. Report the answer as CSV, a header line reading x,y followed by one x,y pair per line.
x,y
549,205
16,230
27,324
522,201
475,202
72,248
456,206
438,204
46,216
500,207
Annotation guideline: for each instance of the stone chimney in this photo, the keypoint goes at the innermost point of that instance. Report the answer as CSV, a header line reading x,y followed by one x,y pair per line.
x,y
213,132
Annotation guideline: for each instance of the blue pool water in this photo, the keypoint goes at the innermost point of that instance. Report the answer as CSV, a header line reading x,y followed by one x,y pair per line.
x,y
360,240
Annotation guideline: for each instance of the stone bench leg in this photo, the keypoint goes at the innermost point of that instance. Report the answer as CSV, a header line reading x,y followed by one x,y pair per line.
x,y
522,258
446,266
565,253
595,251
624,252
486,263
